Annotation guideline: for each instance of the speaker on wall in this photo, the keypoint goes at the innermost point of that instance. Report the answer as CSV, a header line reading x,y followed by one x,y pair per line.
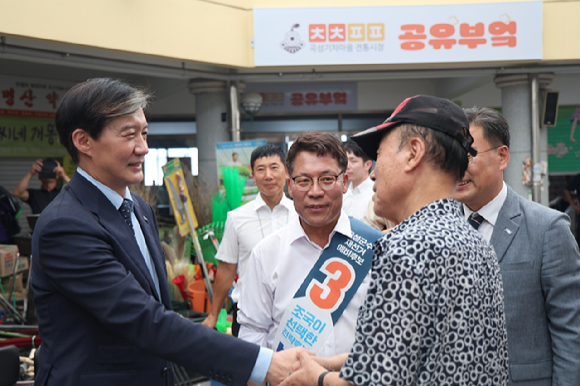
x,y
550,108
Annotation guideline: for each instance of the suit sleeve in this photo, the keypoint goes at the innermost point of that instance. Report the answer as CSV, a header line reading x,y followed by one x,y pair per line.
x,y
86,264
561,286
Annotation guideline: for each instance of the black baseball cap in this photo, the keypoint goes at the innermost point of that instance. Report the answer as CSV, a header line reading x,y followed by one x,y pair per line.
x,y
435,113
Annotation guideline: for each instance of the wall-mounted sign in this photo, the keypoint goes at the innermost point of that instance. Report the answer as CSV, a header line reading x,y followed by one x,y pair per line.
x,y
305,97
398,34
564,142
27,111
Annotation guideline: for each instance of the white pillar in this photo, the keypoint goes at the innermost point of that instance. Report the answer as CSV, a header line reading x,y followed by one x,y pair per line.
x,y
516,100
211,101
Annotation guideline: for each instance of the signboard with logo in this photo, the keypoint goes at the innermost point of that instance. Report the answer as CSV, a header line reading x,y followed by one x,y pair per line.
x,y
398,34
305,97
27,112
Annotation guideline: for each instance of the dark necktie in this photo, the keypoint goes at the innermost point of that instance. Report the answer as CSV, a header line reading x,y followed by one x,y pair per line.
x,y
125,210
475,220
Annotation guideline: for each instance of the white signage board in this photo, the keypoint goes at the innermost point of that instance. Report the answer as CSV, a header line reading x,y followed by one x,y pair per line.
x,y
306,97
398,34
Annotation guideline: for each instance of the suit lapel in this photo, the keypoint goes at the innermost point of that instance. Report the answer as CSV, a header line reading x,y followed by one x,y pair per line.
x,y
110,218
506,225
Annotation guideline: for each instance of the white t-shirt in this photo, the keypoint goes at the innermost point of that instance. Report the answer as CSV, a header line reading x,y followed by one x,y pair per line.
x,y
245,227
356,200
277,268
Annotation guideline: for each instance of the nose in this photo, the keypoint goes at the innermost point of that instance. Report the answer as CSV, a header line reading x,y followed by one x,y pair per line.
x,y
315,190
141,146
268,173
373,177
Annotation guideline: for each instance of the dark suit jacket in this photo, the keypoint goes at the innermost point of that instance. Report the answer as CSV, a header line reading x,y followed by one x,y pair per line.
x,y
98,312
540,267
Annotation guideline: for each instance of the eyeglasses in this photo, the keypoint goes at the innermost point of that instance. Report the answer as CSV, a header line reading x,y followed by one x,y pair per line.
x,y
304,183
470,157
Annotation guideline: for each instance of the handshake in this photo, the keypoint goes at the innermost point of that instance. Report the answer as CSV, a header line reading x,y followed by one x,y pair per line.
x,y
298,366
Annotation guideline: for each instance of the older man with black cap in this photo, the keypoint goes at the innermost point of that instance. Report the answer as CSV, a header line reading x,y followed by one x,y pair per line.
x,y
434,310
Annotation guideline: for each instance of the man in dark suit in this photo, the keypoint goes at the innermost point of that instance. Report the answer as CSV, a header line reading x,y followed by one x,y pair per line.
x,y
98,271
538,260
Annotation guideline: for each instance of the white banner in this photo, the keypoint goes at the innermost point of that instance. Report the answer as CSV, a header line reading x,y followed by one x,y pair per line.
x,y
301,97
30,98
398,34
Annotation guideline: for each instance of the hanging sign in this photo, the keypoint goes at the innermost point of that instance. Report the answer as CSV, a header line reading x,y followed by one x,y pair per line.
x,y
27,112
306,97
398,34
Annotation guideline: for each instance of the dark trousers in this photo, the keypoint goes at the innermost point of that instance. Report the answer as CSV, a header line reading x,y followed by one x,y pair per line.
x,y
235,324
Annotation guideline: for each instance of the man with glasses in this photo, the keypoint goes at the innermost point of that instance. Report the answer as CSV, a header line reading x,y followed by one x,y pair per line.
x,y
305,283
538,260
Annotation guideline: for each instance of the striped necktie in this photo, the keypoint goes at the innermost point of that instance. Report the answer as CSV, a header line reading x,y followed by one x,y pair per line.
x,y
475,220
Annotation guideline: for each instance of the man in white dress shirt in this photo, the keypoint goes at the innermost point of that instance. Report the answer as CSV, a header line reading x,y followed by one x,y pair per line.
x,y
248,225
278,265
360,189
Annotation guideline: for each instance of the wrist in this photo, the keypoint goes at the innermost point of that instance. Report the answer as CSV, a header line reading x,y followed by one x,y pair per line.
x,y
321,377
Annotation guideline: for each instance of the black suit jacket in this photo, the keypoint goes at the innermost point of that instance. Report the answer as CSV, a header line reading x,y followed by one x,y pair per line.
x,y
100,318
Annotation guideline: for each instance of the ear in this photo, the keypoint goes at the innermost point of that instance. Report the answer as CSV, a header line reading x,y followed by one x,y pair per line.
x,y
81,140
344,183
289,188
251,172
415,152
368,165
504,157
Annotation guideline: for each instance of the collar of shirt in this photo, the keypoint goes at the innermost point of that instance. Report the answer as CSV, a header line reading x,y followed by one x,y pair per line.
x,y
491,210
367,184
342,226
113,196
285,202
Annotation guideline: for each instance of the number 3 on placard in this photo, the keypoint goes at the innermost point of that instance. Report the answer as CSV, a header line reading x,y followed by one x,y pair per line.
x,y
339,278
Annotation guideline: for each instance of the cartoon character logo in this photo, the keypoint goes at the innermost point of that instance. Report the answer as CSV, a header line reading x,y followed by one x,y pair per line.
x,y
292,42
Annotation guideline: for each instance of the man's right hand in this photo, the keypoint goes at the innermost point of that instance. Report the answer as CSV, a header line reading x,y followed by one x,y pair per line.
x,y
210,321
283,363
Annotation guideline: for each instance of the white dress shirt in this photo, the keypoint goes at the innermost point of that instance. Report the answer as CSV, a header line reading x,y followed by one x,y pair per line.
x,y
245,227
277,268
489,213
356,200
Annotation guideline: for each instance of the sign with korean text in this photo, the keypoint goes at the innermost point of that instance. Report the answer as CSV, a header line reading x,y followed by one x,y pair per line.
x,y
27,112
185,217
327,289
398,34
302,97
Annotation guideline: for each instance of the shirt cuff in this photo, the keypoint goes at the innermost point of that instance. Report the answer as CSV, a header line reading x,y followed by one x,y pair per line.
x,y
262,365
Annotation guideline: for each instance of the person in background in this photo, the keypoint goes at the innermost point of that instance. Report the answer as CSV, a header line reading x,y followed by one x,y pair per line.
x,y
247,225
49,172
100,282
538,259
573,188
234,161
360,187
434,311
377,222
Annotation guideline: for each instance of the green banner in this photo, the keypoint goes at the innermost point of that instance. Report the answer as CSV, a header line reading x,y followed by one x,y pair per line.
x,y
564,142
29,137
